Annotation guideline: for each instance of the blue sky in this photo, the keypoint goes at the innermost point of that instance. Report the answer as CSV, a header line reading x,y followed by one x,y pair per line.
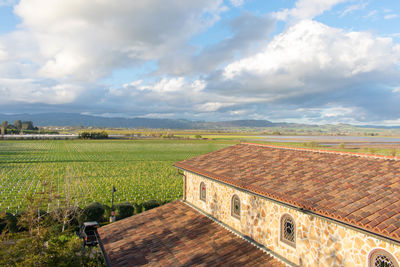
x,y
310,61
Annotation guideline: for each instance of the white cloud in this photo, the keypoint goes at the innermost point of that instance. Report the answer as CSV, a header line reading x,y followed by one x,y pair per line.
x,y
29,91
212,106
62,48
331,73
3,54
237,3
391,16
7,2
174,95
372,14
82,40
395,122
350,9
336,111
159,115
174,85
247,32
312,57
134,83
307,9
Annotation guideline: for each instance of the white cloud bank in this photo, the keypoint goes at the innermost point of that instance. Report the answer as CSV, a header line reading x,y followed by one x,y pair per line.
x,y
85,40
29,91
310,57
309,72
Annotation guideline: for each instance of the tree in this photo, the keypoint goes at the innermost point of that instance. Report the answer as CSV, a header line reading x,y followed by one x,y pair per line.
x,y
4,126
69,212
93,135
27,125
18,124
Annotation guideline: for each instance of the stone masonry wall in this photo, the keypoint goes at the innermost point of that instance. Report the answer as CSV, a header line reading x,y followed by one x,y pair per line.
x,y
319,242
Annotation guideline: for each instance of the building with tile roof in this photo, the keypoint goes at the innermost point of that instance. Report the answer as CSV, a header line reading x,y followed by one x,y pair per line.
x,y
311,207
301,207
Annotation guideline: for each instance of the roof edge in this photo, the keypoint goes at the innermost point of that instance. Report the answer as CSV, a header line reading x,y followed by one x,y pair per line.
x,y
325,151
103,251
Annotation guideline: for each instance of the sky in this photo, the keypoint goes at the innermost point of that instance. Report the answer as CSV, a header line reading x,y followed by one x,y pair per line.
x,y
305,61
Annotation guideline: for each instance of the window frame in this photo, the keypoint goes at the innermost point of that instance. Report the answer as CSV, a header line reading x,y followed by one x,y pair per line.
x,y
378,252
233,213
202,184
283,229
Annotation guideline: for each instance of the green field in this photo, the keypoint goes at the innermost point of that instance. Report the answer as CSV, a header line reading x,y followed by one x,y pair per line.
x,y
86,170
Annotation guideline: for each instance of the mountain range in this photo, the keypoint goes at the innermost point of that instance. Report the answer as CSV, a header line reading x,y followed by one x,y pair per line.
x,y
75,119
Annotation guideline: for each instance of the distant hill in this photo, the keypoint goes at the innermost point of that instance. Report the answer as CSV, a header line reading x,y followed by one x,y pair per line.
x,y
379,127
74,119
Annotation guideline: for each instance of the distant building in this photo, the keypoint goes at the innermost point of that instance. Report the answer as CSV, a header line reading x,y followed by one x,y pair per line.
x,y
302,207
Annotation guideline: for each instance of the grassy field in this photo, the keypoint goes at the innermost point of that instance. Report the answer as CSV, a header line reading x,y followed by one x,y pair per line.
x,y
86,170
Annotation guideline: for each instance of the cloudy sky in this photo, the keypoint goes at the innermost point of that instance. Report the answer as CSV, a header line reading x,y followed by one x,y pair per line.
x,y
311,61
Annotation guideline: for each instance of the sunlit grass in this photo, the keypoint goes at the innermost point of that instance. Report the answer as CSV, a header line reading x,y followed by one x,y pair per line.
x,y
140,169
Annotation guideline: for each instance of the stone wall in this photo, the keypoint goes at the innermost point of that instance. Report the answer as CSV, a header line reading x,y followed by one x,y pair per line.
x,y
319,242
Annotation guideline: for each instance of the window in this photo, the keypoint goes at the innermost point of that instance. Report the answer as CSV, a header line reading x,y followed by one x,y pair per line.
x,y
235,206
288,230
381,258
203,191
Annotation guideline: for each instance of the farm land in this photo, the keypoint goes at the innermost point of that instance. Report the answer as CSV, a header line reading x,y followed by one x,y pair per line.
x,y
86,170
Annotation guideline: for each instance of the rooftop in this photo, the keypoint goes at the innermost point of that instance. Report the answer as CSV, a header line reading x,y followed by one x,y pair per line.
x,y
177,235
360,190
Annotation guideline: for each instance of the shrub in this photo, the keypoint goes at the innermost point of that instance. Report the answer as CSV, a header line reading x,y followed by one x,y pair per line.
x,y
107,212
148,205
125,210
138,208
11,223
93,212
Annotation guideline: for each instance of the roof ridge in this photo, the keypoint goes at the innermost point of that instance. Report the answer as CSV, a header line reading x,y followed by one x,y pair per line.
x,y
325,151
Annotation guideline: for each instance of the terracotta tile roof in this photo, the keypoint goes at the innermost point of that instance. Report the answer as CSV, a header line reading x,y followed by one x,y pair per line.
x,y
363,191
177,235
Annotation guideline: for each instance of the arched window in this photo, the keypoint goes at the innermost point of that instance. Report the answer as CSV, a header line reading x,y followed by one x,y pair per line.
x,y
235,206
288,230
203,191
381,258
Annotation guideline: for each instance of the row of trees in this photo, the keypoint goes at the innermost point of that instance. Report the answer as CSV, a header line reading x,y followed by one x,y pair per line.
x,y
18,127
93,135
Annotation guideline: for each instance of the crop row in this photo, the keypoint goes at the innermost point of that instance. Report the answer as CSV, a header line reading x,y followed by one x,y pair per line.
x,y
85,171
